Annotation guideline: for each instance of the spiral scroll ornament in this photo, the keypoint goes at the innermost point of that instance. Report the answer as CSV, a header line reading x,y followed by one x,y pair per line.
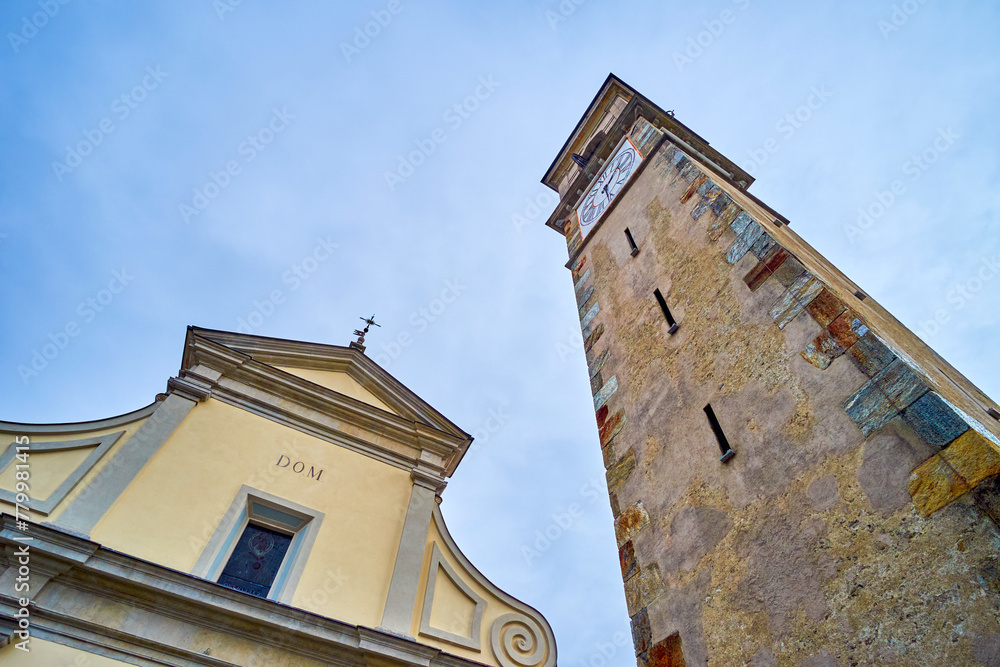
x,y
517,641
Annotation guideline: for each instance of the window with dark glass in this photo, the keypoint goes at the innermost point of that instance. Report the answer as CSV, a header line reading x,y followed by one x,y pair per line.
x,y
255,560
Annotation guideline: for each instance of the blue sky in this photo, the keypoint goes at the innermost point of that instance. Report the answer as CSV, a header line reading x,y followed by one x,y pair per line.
x,y
230,167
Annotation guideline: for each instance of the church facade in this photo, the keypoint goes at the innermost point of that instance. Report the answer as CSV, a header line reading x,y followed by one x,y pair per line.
x,y
796,478
278,505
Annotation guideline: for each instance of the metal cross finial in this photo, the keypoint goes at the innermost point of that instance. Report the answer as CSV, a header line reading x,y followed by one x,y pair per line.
x,y
360,333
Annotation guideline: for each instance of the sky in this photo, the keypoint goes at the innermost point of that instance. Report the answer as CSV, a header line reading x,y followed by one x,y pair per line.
x,y
285,168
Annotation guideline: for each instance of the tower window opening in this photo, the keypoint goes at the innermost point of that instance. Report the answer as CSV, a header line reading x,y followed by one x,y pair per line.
x,y
631,242
713,421
666,312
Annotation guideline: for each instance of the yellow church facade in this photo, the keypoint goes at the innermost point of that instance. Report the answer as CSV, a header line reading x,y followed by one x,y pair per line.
x,y
278,505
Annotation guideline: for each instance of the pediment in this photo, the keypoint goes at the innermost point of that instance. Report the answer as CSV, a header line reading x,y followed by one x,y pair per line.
x,y
332,380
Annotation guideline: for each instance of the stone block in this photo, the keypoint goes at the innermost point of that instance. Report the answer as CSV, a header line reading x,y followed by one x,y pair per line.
x,y
650,583
934,484
708,188
620,471
765,267
741,222
822,351
871,355
593,337
790,271
584,296
900,384
869,408
589,317
596,383
578,285
626,557
843,328
606,392
642,637
825,308
612,427
608,455
744,242
794,299
723,221
630,522
721,203
633,595
666,653
763,245
973,457
934,420
692,188
595,367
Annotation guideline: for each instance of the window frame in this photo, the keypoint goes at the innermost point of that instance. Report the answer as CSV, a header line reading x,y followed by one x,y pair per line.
x,y
242,512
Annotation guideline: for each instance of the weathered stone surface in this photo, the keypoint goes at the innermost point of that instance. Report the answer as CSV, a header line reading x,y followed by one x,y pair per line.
x,y
651,583
785,570
823,493
722,223
630,522
596,383
987,650
583,297
741,222
823,659
869,408
764,657
707,200
973,457
884,474
871,355
581,281
935,484
633,595
934,420
619,472
721,203
606,392
900,384
694,532
609,456
825,308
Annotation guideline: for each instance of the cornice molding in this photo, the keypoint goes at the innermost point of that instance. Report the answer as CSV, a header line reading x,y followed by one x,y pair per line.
x,y
94,570
77,427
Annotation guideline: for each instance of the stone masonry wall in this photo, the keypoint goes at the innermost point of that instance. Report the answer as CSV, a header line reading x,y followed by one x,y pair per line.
x,y
839,533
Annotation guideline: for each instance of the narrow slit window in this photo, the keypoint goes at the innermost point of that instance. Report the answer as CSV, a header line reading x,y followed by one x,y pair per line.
x,y
666,312
631,242
713,421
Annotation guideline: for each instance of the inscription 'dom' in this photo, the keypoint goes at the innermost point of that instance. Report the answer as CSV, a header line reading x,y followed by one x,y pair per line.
x,y
299,467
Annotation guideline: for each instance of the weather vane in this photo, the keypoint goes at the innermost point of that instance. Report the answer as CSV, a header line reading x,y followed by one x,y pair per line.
x,y
359,344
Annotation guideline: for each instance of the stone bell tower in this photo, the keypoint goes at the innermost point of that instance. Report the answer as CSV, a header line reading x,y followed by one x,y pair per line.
x,y
796,478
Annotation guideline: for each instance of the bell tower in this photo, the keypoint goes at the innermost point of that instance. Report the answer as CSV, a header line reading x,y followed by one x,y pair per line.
x,y
795,477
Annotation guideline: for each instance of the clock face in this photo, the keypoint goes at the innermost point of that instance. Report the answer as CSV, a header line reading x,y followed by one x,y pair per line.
x,y
603,191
